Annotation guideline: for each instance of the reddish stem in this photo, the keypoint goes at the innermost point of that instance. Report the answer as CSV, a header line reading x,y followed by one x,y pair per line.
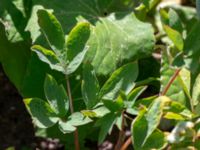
x,y
176,73
126,144
76,140
121,134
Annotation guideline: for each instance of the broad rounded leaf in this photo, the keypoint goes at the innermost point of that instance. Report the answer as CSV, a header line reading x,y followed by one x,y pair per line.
x,y
77,39
117,38
41,112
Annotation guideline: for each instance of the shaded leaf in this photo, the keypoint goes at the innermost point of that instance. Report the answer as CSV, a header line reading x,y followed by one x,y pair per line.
x,y
134,94
56,96
76,62
90,86
106,124
78,119
41,112
65,127
123,79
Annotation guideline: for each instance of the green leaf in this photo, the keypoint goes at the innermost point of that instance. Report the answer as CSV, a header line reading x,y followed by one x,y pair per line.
x,y
145,101
89,113
78,119
174,116
14,58
114,106
177,110
90,86
123,79
191,50
175,36
198,8
106,124
133,95
156,141
139,129
114,40
101,111
175,21
73,121
76,62
48,57
56,96
77,39
147,121
52,30
41,112
196,91
65,127
154,114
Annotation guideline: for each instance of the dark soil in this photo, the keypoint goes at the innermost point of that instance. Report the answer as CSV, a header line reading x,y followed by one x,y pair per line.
x,y
16,129
15,123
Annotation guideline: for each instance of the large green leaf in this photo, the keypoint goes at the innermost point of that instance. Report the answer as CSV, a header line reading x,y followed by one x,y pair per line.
x,y
56,96
41,112
14,57
192,49
115,40
123,79
77,39
52,30
90,86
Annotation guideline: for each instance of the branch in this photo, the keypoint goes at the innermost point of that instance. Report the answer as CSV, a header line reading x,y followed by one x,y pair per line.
x,y
126,144
121,134
176,73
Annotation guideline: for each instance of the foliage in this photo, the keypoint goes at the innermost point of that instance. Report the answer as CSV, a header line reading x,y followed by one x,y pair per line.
x,y
97,64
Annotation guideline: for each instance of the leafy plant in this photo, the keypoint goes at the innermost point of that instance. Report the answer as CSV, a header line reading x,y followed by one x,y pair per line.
x,y
128,64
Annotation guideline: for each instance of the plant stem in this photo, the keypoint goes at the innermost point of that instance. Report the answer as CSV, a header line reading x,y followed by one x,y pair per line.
x,y
76,140
121,134
126,144
176,73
